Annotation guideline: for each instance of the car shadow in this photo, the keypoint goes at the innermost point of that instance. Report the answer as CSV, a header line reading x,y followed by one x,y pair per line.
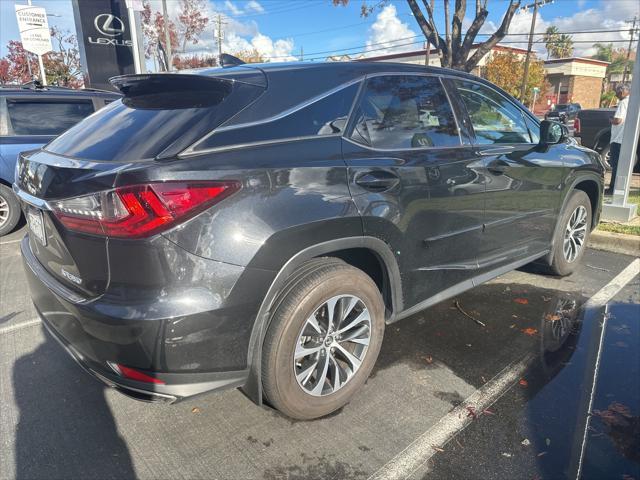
x,y
65,428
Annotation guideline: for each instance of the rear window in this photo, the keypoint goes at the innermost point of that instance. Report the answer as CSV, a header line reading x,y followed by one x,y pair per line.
x,y
157,118
37,117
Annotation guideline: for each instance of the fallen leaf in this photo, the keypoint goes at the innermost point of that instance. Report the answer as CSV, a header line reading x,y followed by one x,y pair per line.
x,y
437,449
505,454
525,442
468,344
428,359
521,301
195,410
513,326
547,441
486,411
484,380
541,454
523,382
472,412
546,299
552,317
530,331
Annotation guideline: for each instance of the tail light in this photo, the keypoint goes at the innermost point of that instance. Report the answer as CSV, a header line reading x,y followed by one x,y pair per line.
x,y
576,125
133,374
140,210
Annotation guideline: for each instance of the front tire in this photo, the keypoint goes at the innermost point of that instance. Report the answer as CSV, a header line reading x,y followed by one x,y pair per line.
x,y
572,234
323,340
9,210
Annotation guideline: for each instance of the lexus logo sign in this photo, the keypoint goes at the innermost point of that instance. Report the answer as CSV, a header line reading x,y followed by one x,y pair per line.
x,y
109,25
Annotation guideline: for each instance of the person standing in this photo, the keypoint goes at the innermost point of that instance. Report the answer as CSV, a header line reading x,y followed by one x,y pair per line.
x,y
617,129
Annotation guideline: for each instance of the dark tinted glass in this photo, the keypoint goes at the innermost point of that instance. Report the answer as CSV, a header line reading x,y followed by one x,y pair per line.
x,y
401,112
125,131
46,117
494,118
327,116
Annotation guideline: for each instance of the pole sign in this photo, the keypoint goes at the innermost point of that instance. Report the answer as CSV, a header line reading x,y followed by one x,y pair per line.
x,y
104,39
34,29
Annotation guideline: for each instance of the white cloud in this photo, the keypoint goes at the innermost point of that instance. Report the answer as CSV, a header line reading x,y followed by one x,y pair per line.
x,y
609,16
232,8
389,28
255,6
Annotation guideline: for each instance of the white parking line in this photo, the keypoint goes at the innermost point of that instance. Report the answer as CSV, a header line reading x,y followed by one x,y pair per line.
x,y
10,241
424,447
19,326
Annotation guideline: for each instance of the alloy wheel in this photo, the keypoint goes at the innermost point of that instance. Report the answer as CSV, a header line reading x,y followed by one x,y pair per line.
x,y
575,234
4,211
332,345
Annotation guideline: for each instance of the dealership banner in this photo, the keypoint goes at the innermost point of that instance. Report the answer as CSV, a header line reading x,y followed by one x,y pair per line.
x,y
104,39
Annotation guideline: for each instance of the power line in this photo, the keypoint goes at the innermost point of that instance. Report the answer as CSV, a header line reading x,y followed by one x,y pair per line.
x,y
421,42
391,43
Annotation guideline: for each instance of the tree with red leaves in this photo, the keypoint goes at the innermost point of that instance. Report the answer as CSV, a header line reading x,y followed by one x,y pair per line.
x,y
192,21
61,65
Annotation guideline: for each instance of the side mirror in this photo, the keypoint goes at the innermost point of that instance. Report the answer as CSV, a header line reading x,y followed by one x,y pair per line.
x,y
552,132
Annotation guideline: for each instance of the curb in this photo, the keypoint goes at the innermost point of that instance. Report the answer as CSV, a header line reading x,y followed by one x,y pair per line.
x,y
615,242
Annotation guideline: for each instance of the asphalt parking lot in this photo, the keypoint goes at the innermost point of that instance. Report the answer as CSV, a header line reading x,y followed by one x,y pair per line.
x,y
469,363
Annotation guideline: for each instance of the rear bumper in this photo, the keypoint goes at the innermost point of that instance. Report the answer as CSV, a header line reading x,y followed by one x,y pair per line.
x,y
157,346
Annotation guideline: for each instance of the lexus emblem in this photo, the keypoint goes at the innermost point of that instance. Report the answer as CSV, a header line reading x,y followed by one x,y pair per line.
x,y
109,25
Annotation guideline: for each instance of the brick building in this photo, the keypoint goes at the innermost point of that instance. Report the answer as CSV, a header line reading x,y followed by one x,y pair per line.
x,y
573,80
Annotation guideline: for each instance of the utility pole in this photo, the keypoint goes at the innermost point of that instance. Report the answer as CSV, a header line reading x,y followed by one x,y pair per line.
x,y
219,34
167,35
525,77
632,31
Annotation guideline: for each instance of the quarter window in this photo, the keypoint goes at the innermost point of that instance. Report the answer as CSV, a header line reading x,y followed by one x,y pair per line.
x,y
494,118
327,116
46,117
404,112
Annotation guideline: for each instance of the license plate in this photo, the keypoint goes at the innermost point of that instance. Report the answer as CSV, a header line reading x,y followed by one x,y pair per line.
x,y
36,225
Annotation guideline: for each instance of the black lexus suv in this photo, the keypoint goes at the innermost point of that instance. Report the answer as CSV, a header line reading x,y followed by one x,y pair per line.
x,y
257,226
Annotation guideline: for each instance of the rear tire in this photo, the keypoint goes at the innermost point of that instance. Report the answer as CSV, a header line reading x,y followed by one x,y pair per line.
x,y
574,227
312,366
9,210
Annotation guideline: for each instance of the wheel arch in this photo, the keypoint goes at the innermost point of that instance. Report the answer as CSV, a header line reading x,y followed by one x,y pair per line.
x,y
356,251
590,184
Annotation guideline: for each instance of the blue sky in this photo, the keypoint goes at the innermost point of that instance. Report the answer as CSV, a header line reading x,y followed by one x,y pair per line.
x,y
280,28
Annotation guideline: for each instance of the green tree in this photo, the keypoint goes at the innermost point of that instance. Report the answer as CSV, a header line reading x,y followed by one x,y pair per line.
x,y
550,38
559,45
564,46
507,69
604,51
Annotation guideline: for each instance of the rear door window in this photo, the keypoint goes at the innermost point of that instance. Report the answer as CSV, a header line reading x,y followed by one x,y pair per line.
x,y
46,117
404,112
493,117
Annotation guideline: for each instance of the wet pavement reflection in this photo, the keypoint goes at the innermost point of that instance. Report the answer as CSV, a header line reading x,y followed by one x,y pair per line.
x,y
574,414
